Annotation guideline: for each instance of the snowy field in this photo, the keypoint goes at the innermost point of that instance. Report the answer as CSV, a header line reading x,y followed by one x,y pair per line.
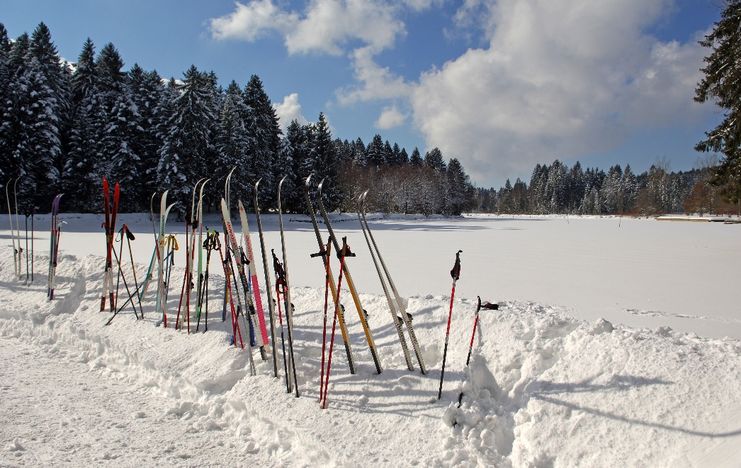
x,y
656,383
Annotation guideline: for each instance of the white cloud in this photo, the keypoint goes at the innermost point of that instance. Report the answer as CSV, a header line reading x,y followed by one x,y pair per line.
x,y
390,117
251,21
558,78
374,82
326,26
289,110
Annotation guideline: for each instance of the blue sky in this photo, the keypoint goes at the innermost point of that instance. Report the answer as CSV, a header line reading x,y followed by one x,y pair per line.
x,y
500,84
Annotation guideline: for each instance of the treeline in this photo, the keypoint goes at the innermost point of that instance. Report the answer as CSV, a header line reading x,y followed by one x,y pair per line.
x,y
64,126
558,188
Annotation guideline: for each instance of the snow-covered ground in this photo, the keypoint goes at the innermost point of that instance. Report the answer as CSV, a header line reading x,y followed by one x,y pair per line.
x,y
550,384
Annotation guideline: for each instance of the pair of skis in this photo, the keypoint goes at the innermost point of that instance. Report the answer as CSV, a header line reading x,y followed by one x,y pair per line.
x,y
15,233
56,229
111,210
397,305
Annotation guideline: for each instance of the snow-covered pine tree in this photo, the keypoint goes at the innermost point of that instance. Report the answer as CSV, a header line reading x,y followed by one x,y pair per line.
x,y
5,48
36,130
296,146
80,179
120,129
263,125
146,94
234,143
188,138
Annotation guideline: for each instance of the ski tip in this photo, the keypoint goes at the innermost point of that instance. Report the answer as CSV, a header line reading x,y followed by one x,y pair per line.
x,y
282,180
228,176
320,186
257,183
307,181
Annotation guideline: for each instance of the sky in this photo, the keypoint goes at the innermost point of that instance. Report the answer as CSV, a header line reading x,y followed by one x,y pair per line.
x,y
499,84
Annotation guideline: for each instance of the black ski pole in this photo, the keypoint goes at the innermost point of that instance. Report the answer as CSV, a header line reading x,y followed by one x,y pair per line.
x,y
33,212
455,273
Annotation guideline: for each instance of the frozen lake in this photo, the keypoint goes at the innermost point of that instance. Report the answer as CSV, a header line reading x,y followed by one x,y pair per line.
x,y
639,272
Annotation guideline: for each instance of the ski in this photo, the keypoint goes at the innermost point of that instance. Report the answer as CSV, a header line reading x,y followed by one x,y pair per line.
x,y
210,244
200,247
111,208
162,284
231,242
268,287
280,281
330,277
17,226
401,303
16,257
350,283
54,245
455,273
287,286
393,306
247,241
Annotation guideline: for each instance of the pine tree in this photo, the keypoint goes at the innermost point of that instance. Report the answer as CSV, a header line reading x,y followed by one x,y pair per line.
x,y
80,179
234,144
36,130
375,152
262,123
146,94
720,83
458,188
188,138
416,158
323,153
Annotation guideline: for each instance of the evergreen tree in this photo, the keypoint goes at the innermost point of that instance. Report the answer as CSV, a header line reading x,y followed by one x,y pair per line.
x,y
375,152
79,176
434,160
188,139
36,131
416,158
326,163
458,188
722,75
234,143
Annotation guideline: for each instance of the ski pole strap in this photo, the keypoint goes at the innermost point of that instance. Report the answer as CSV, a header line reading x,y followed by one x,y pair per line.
x,y
490,306
455,273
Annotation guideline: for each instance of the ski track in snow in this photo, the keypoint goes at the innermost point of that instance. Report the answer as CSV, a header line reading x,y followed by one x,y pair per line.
x,y
543,388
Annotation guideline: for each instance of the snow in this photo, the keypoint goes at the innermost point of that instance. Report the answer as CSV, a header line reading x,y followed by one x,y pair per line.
x,y
580,383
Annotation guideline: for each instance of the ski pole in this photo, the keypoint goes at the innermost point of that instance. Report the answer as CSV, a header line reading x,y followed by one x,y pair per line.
x,y
455,273
343,251
117,256
33,212
324,326
279,280
129,238
479,306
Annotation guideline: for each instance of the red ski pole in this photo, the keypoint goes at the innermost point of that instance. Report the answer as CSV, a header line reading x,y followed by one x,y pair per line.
x,y
479,306
455,273
324,327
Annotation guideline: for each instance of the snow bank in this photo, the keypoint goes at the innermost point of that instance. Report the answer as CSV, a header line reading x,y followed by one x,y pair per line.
x,y
543,388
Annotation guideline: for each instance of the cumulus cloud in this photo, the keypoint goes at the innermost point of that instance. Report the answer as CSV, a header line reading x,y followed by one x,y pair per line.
x,y
326,26
558,78
289,110
390,117
373,82
251,21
